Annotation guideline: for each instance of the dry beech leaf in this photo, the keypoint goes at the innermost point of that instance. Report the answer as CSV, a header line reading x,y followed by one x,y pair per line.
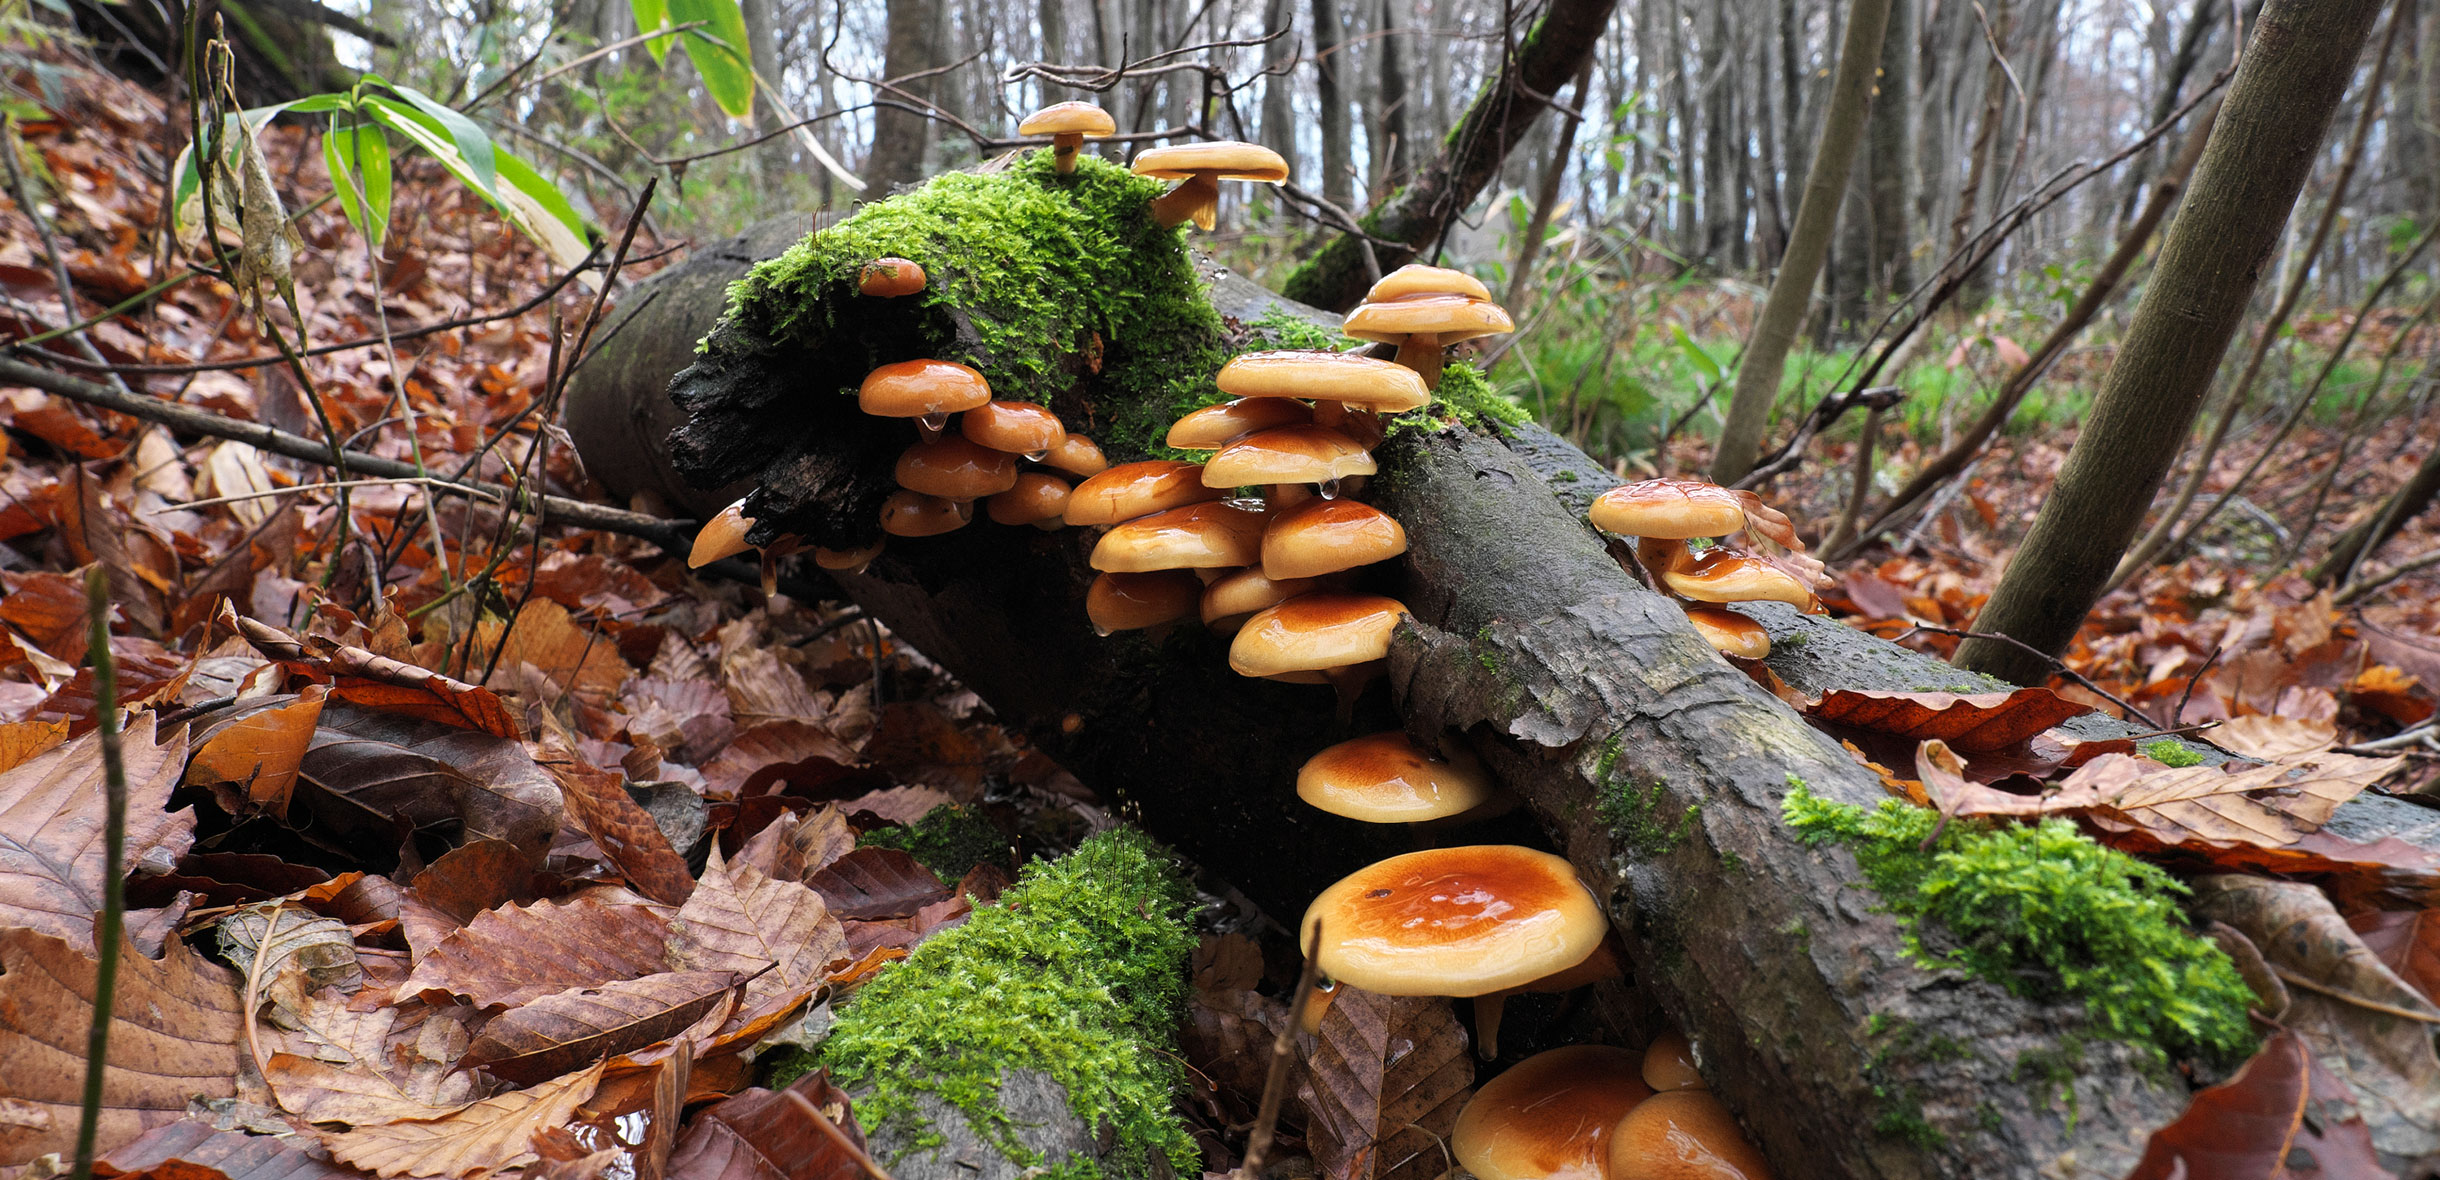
x,y
1384,1082
2264,805
517,954
761,1135
23,741
2367,1026
2245,1128
248,755
173,1035
763,686
569,656
598,801
795,846
371,773
48,609
778,932
602,1141
360,677
307,952
2274,739
476,876
369,1086
51,819
190,1149
801,753
2408,942
1969,723
567,1030
473,1141
872,883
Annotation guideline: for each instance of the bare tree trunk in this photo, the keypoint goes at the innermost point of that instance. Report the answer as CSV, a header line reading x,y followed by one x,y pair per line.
x,y
901,138
1986,129
1783,313
1770,202
1279,90
2198,34
2414,106
1547,198
1397,158
1329,64
1717,112
1892,153
2295,71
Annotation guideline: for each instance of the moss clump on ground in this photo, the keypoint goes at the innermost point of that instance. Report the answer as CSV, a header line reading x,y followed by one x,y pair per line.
x,y
1079,971
950,840
2169,752
2045,912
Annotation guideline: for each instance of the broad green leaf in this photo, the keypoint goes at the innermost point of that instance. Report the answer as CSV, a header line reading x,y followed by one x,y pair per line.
x,y
359,160
473,143
650,15
719,51
532,204
1695,354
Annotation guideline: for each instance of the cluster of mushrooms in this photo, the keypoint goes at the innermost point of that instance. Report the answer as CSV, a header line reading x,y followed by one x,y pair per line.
x,y
1262,541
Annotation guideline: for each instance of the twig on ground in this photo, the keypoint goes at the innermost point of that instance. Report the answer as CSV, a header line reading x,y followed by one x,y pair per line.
x,y
2056,665
1283,1054
109,931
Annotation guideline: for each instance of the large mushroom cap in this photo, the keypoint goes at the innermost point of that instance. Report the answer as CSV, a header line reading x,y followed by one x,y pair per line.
x,y
1018,428
913,389
1036,499
1451,318
1386,778
955,469
1130,490
1342,377
1126,602
1683,1135
1718,576
1213,427
1069,118
1290,454
1550,1116
848,560
889,278
1453,921
1315,633
1077,456
1417,279
1670,509
1224,159
1325,536
1229,601
1729,633
1199,536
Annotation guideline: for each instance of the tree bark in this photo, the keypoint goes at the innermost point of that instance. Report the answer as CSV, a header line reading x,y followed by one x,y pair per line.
x,y
1329,66
1397,102
1278,128
901,137
1553,50
1892,154
1546,198
1783,312
2279,107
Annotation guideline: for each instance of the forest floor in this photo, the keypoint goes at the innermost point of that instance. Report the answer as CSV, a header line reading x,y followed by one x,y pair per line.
x,y
399,644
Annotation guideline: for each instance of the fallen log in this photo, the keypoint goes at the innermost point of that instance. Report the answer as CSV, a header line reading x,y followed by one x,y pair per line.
x,y
1658,768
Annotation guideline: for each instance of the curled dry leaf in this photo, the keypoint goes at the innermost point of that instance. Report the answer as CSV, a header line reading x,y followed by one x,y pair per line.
x,y
2246,1127
370,773
360,677
778,932
598,801
301,951
1969,723
1383,1086
2261,805
472,1141
2408,942
248,755
51,815
570,1029
190,1149
174,1032
872,883
2274,739
517,954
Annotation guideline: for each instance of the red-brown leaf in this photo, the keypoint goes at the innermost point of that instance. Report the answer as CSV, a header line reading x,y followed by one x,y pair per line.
x,y
517,954
248,755
598,801
49,610
1384,1083
874,883
51,828
1968,723
569,1030
2246,1127
2408,942
360,677
191,1150
760,1135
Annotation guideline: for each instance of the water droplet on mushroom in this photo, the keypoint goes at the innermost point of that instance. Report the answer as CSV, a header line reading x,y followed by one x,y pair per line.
x,y
931,426
1104,632
1329,489
1036,456
1247,503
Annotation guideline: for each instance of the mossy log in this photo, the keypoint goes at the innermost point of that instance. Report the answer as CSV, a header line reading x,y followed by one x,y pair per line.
x,y
1653,764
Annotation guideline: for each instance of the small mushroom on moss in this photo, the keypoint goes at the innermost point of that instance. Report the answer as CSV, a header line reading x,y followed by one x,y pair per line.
x,y
1130,490
1422,325
1210,535
1199,168
1077,456
1132,601
1385,778
1231,600
1669,1063
1316,633
1729,633
1454,921
1669,509
1018,428
1550,1116
724,535
1037,499
1325,536
889,278
1068,124
848,560
1213,427
955,469
909,513
927,391
1683,1135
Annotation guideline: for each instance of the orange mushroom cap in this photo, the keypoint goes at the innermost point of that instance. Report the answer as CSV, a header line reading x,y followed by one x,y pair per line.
x,y
910,513
1719,576
1344,377
1233,598
1549,1117
1683,1135
1198,536
1315,633
1130,490
1019,428
1222,159
1669,509
1450,318
1325,536
1385,778
1127,602
1729,633
889,278
1077,456
913,389
1669,1063
1069,118
1036,499
955,469
1213,427
724,535
1417,279
1290,454
1454,921
848,560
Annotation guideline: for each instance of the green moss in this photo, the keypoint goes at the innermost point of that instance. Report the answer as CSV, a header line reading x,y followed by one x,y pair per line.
x,y
949,840
1635,814
1279,328
2055,1070
2047,913
1465,395
1078,971
2169,752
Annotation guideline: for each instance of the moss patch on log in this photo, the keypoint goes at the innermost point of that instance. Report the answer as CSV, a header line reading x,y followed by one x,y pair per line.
x,y
1079,971
949,840
2044,911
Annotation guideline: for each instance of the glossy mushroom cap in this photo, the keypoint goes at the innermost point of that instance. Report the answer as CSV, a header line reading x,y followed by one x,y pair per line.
x,y
1386,778
1325,536
1213,427
1127,602
889,278
1718,576
1417,279
1018,428
1200,167
1229,601
1077,456
1729,633
1130,490
1683,1135
1454,921
1068,124
1669,1063
1550,1116
1290,454
848,560
1315,633
913,389
913,514
955,469
1199,536
1670,509
1036,499
1343,377
1449,318
724,535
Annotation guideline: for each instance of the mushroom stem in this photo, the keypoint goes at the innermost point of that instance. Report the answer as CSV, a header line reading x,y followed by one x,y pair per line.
x,y
1422,353
1196,198
1063,151
1488,1009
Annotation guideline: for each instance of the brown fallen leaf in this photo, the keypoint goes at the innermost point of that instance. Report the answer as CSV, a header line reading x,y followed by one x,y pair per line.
x,y
761,1135
570,1029
22,741
173,1035
795,846
576,660
51,828
2252,1125
477,1140
2274,739
779,932
2408,942
800,753
1969,723
871,883
2260,806
249,754
48,609
517,954
359,677
370,772
598,801
2367,1026
1383,1085
191,1149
